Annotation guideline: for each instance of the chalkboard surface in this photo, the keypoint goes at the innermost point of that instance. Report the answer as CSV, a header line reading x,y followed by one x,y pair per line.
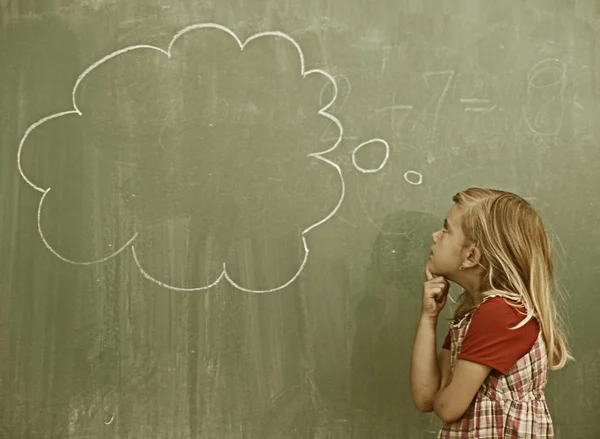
x,y
214,216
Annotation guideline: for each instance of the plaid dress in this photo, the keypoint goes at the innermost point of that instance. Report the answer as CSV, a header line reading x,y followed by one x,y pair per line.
x,y
505,406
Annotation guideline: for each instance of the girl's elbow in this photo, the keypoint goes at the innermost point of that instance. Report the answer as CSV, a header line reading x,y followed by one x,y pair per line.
x,y
448,415
447,419
424,408
423,405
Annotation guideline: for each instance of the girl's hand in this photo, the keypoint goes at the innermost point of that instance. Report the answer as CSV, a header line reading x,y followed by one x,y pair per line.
x,y
435,293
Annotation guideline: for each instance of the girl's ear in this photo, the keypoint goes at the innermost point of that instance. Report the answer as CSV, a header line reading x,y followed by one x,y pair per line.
x,y
473,256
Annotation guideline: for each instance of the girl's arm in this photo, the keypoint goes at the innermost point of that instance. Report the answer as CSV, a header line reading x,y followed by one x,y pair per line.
x,y
425,376
455,396
444,365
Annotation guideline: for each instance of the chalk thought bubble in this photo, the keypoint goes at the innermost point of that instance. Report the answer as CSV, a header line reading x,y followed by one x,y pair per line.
x,y
170,135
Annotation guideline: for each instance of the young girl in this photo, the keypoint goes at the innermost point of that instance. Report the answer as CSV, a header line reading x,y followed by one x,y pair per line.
x,y
488,380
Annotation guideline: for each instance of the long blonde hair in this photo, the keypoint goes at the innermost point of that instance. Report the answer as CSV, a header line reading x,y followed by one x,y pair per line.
x,y
516,258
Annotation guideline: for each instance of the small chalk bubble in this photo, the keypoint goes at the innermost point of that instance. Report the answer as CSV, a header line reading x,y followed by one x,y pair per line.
x,y
383,162
409,177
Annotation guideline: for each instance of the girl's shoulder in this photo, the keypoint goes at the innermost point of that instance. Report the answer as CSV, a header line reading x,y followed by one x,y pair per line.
x,y
496,305
502,308
497,297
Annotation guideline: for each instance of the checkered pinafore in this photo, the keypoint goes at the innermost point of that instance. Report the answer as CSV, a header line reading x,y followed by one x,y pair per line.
x,y
505,406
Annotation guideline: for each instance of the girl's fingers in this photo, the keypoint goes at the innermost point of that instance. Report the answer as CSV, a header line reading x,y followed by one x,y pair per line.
x,y
428,275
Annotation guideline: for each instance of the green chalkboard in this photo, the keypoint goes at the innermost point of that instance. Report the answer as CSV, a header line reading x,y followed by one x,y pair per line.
x,y
214,215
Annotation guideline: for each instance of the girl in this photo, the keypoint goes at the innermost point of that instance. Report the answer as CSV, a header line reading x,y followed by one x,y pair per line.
x,y
488,380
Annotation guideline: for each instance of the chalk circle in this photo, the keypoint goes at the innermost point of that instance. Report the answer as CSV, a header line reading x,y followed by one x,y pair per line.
x,y
545,67
383,163
408,180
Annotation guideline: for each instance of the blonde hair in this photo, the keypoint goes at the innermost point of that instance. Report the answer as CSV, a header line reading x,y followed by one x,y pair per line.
x,y
517,260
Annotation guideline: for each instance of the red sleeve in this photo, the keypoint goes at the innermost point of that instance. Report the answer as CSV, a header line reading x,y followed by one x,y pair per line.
x,y
447,342
489,340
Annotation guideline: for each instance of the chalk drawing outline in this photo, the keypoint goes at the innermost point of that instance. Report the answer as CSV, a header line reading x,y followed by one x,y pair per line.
x,y
440,100
130,242
393,108
373,223
339,107
534,72
368,216
479,102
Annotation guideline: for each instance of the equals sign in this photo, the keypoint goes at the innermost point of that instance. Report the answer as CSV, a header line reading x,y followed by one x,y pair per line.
x,y
478,105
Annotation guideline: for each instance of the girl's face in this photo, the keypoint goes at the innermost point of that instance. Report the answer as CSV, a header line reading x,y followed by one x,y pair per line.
x,y
448,244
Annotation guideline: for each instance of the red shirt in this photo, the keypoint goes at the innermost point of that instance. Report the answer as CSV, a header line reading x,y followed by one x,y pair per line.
x,y
489,340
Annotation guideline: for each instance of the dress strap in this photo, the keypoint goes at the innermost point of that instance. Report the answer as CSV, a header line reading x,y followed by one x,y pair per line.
x,y
456,323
